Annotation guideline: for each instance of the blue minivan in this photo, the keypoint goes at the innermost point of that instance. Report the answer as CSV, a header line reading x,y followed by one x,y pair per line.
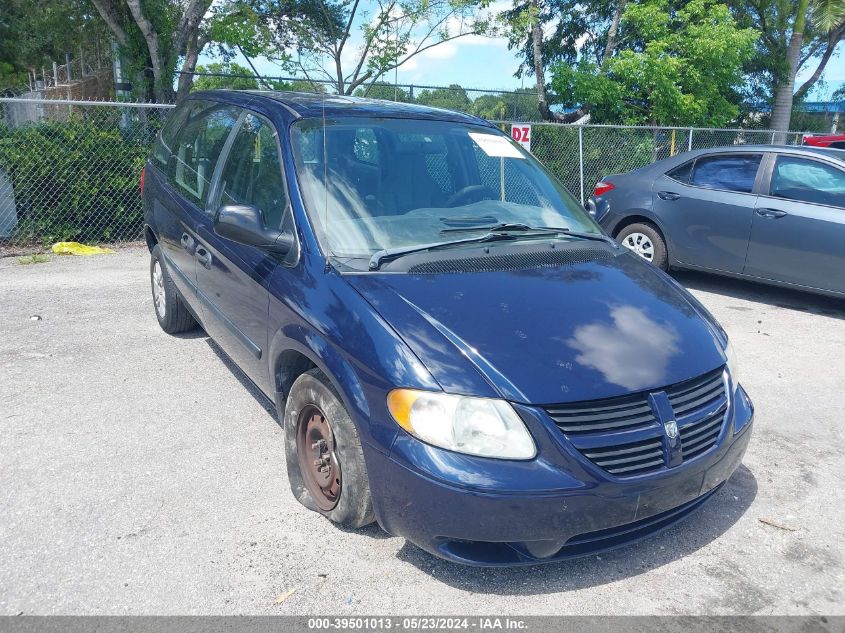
x,y
454,347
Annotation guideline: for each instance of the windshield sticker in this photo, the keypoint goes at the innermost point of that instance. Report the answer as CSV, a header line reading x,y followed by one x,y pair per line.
x,y
496,146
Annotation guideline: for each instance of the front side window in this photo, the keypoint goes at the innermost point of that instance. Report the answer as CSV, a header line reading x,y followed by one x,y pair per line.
x,y
253,174
372,184
197,148
729,172
808,181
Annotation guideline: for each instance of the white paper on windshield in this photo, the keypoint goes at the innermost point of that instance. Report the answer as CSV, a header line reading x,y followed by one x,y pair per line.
x,y
496,146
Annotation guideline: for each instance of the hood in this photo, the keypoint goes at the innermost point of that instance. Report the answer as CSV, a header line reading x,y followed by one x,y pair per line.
x,y
551,334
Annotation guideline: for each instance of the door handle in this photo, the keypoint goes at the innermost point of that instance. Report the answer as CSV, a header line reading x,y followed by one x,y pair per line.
x,y
770,213
668,195
203,257
186,241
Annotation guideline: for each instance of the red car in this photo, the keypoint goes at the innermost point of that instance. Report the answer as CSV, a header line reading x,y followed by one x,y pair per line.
x,y
836,141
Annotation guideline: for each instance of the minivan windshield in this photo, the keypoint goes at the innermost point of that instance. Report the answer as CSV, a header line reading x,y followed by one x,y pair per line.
x,y
371,184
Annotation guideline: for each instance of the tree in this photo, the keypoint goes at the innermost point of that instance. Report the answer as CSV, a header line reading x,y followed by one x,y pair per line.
x,y
34,34
672,67
385,91
550,32
452,98
520,105
224,75
159,33
793,36
342,42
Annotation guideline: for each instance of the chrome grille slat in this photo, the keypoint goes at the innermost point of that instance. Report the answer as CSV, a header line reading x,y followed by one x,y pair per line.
x,y
623,451
658,454
586,428
692,403
641,467
691,433
589,414
609,425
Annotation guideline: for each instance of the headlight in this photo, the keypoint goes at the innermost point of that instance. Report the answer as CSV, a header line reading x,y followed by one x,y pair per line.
x,y
476,426
733,366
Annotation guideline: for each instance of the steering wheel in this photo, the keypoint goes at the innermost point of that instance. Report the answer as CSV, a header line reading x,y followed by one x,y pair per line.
x,y
471,193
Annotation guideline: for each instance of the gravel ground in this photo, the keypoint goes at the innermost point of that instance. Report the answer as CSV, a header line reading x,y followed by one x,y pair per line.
x,y
140,474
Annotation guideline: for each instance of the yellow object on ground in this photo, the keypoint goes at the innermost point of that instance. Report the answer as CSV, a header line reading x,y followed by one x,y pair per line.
x,y
75,248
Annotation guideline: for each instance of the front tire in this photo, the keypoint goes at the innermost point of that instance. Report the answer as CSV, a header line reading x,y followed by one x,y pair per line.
x,y
172,313
325,461
646,241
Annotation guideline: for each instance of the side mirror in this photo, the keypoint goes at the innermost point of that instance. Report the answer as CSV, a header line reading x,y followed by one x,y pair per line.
x,y
245,224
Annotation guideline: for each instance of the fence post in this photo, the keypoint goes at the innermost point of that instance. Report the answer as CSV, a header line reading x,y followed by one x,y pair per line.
x,y
773,138
581,159
689,147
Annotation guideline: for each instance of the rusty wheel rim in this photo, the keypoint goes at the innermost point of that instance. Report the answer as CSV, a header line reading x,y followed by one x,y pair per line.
x,y
315,447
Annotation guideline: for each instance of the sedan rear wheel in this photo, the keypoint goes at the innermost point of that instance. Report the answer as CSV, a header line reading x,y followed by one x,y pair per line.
x,y
646,241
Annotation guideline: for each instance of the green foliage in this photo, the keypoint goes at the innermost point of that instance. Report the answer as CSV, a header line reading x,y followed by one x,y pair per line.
x,y
518,106
77,179
385,91
225,68
572,28
35,32
678,67
452,98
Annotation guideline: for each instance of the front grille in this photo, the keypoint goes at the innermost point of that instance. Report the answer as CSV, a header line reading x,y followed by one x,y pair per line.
x,y
624,437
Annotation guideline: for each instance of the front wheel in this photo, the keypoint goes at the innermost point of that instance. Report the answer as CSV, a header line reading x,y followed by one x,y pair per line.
x,y
325,461
172,313
647,242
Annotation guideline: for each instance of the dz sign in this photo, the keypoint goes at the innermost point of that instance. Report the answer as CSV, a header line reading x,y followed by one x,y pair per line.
x,y
521,133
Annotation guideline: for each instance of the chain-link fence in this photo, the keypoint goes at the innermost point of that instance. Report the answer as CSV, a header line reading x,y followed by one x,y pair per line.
x,y
69,170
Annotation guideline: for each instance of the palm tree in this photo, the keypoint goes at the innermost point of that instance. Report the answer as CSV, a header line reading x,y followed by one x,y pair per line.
x,y
826,15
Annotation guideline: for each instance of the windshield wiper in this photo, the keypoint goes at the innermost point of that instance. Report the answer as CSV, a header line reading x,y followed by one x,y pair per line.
x,y
386,254
501,226
505,227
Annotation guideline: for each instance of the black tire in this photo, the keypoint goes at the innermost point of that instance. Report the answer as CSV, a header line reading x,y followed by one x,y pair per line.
x,y
660,257
311,398
173,315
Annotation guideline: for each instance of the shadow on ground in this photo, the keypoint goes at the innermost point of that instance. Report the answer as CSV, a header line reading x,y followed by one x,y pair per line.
x,y
266,404
762,293
712,520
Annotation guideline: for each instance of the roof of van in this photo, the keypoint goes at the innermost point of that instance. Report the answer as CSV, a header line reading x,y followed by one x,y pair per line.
x,y
308,105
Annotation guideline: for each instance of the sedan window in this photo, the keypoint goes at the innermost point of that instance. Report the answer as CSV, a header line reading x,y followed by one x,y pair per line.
x,y
730,172
808,181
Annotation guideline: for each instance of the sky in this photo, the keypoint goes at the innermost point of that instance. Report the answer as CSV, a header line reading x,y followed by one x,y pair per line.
x,y
487,63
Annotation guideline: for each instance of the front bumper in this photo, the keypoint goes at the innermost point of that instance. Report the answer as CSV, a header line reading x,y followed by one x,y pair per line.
x,y
501,513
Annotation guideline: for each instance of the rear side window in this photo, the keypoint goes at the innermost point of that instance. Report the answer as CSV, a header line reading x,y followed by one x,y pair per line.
x,y
682,173
197,147
730,172
252,174
808,181
163,146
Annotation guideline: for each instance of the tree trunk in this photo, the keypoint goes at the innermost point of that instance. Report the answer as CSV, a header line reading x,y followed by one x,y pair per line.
x,y
539,71
782,111
612,41
833,40
192,53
